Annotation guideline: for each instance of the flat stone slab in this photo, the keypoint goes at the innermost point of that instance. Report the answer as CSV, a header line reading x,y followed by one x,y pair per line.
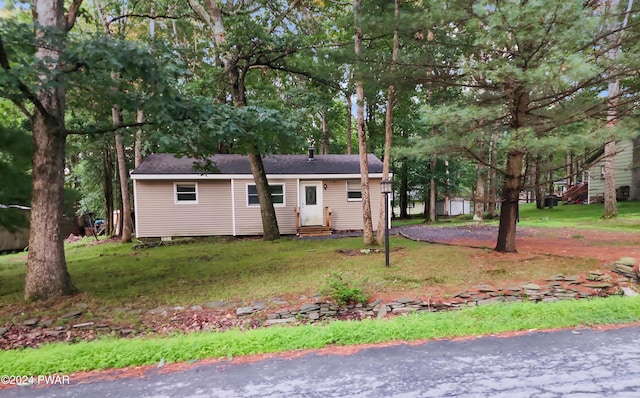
x,y
31,322
493,300
214,304
71,315
628,261
240,311
405,300
83,325
596,285
382,312
531,286
279,321
404,310
309,307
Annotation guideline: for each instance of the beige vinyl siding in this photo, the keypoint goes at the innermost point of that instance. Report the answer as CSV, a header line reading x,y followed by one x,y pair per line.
x,y
622,166
158,214
347,215
248,218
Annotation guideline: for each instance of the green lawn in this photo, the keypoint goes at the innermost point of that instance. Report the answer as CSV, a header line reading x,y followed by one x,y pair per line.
x,y
115,275
115,353
574,216
244,270
582,216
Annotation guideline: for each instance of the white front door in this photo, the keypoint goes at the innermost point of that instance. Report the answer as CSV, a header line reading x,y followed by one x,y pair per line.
x,y
310,203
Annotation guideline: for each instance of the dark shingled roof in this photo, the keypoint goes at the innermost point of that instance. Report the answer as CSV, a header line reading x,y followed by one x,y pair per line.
x,y
163,163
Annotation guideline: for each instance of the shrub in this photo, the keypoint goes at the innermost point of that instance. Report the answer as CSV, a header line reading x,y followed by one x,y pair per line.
x,y
344,291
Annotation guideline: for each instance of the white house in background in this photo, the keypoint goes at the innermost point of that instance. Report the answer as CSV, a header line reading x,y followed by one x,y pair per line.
x,y
622,170
315,194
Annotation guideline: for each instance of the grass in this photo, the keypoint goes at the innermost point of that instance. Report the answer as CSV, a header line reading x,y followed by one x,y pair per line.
x,y
582,216
574,216
114,275
111,353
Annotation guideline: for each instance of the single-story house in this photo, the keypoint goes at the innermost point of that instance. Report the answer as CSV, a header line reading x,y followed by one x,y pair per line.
x,y
622,170
322,192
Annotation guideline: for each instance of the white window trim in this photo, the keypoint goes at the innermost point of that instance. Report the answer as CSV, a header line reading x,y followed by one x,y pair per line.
x,y
284,195
346,184
185,202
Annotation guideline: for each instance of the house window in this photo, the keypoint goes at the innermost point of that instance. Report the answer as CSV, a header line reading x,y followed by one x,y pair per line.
x,y
186,192
354,191
277,195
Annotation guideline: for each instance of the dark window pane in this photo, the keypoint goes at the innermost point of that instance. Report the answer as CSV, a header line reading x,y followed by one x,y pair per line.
x,y
187,197
354,194
277,194
186,188
186,193
310,196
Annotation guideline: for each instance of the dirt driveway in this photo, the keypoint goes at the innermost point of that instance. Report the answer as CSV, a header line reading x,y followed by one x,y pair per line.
x,y
604,246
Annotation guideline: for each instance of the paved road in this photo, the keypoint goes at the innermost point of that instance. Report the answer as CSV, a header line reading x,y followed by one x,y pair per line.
x,y
568,364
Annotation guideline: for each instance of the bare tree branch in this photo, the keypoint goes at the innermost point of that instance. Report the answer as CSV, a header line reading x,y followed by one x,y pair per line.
x,y
109,129
199,9
70,18
4,63
147,16
282,16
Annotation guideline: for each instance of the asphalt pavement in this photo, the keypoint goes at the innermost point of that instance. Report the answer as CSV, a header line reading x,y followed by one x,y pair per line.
x,y
578,363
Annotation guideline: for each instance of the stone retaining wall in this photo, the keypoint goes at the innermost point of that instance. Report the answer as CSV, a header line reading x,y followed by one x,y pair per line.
x,y
558,287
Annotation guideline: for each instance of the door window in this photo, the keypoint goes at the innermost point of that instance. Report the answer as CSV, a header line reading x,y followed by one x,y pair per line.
x,y
310,196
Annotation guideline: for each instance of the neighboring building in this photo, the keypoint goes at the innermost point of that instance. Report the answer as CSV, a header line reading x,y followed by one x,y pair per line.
x,y
453,207
622,169
323,192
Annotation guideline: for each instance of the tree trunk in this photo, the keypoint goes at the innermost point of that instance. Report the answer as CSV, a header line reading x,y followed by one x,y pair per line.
x,y
269,221
349,105
568,161
493,176
212,15
324,141
404,188
447,189
388,131
367,222
519,106
509,211
635,170
46,273
125,216
137,148
538,183
107,182
610,204
432,216
479,199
